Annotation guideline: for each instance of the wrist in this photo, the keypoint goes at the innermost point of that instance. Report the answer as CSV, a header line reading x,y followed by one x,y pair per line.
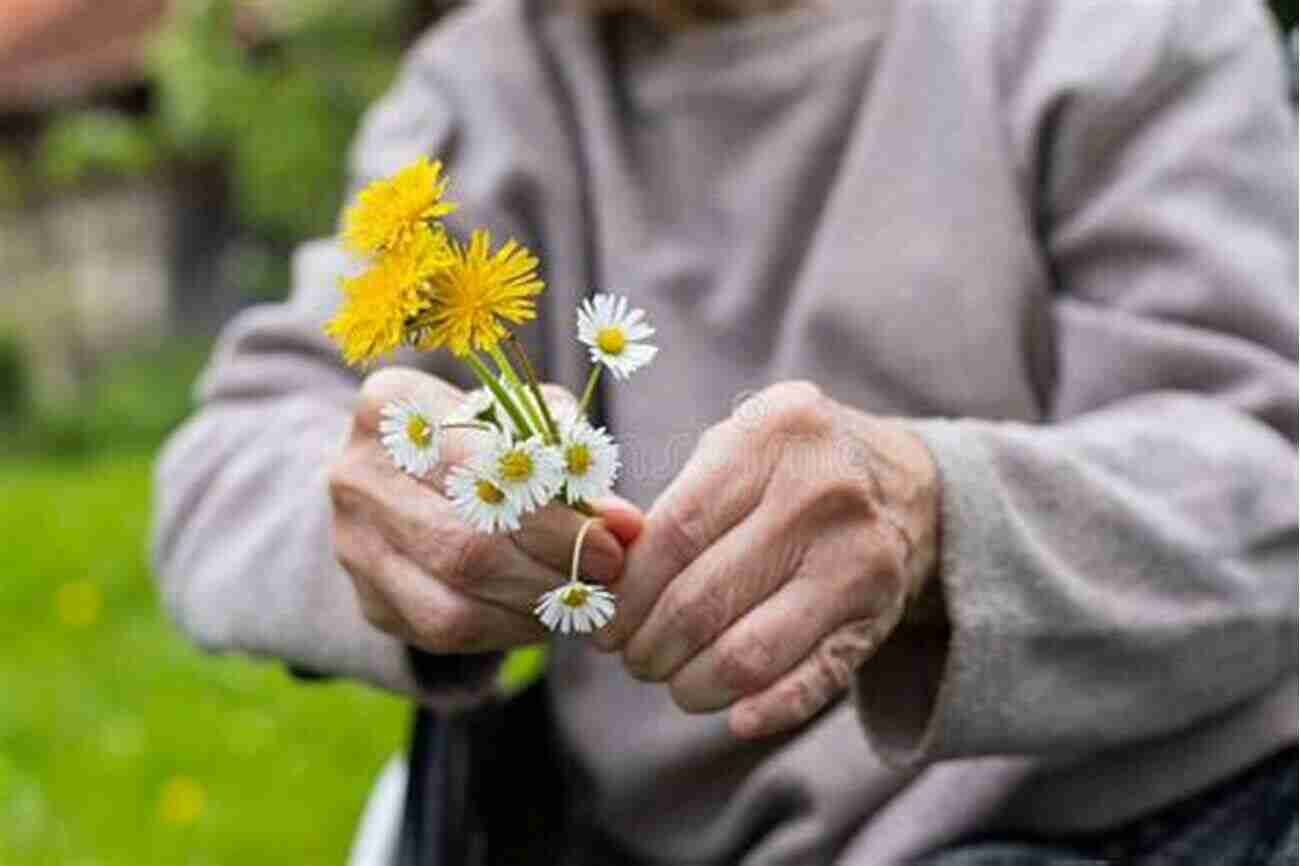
x,y
904,480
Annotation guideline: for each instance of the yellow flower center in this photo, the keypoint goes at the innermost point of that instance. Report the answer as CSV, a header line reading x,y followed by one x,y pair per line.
x,y
419,431
489,492
578,458
516,465
611,340
575,596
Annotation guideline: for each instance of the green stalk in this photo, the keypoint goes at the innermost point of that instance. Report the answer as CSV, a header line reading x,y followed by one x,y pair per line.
x,y
468,425
553,429
503,364
475,363
590,390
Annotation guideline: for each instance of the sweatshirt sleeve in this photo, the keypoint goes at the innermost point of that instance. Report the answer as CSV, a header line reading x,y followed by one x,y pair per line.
x,y
241,536
1127,568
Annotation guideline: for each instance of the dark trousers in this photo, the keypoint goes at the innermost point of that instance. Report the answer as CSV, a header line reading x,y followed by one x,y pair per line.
x,y
1247,820
490,788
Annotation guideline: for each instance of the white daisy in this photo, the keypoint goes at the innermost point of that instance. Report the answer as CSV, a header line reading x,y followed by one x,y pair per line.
x,y
575,607
529,471
479,500
612,333
409,434
476,402
590,460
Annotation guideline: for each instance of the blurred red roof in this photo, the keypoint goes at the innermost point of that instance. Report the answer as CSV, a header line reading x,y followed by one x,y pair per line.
x,y
57,50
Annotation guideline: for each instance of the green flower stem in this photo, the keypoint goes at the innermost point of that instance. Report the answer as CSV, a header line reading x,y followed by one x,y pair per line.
x,y
503,364
590,391
553,429
475,363
468,425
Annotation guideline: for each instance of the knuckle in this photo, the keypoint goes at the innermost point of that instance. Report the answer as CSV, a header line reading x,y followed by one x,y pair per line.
x,y
836,660
691,700
379,615
746,663
885,557
358,552
351,556
699,618
798,408
460,555
559,398
877,571
636,659
440,629
345,485
825,499
712,449
684,525
804,697
847,495
386,383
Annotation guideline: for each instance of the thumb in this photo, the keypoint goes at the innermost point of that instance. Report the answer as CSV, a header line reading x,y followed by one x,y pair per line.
x,y
620,517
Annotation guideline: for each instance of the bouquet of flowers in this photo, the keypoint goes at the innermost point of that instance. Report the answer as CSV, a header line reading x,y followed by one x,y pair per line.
x,y
427,289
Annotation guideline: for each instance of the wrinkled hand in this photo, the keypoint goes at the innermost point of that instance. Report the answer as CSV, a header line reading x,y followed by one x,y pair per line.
x,y
422,574
778,560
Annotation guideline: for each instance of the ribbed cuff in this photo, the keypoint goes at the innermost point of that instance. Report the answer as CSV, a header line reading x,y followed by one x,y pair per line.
x,y
901,690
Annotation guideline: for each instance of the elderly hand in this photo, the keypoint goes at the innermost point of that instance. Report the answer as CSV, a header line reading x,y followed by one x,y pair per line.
x,y
422,574
778,560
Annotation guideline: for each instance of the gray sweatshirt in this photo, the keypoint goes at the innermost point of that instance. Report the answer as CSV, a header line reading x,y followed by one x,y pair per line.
x,y
1059,236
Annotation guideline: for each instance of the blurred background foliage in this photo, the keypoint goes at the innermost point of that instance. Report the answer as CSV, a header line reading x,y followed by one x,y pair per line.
x,y
311,68
121,744
271,103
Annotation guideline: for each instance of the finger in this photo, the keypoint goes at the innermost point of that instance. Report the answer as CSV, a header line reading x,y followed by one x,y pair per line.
x,y
820,678
620,517
548,535
358,551
439,619
560,401
768,641
807,689
439,398
488,567
375,606
744,567
721,483
422,526
454,448
398,383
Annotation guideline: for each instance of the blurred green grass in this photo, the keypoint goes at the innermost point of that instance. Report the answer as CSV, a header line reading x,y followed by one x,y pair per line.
x,y
122,745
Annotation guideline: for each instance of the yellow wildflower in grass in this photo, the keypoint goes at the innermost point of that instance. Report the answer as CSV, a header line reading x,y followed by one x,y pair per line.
x,y
477,290
79,603
181,801
378,304
389,213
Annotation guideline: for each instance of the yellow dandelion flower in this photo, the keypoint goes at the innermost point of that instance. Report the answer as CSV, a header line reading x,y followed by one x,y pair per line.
x,y
378,304
477,290
79,603
389,213
181,801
